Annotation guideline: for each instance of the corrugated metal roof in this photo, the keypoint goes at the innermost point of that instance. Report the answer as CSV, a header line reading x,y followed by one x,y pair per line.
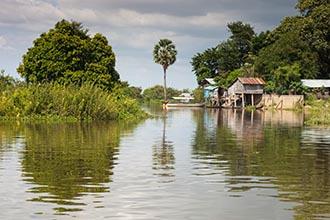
x,y
210,80
251,81
316,83
211,87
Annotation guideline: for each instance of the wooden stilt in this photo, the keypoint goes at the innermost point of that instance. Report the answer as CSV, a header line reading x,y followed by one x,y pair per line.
x,y
243,101
235,98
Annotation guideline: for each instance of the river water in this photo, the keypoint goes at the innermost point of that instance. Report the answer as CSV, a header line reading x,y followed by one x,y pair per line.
x,y
203,164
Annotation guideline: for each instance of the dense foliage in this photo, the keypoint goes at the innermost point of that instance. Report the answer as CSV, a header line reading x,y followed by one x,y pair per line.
x,y
165,54
6,81
67,54
157,93
318,111
69,76
131,91
297,49
227,56
53,100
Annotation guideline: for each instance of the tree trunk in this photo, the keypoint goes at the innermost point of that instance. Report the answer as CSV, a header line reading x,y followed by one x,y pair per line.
x,y
165,95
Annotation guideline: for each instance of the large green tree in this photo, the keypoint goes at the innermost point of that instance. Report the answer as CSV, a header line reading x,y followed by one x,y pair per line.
x,y
165,54
205,65
316,30
157,92
303,39
242,36
228,55
67,54
287,48
298,48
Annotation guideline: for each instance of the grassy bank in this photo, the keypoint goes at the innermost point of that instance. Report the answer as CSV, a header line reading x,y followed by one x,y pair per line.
x,y
318,111
58,102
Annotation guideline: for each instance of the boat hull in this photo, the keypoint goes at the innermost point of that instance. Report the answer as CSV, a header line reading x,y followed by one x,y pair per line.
x,y
185,105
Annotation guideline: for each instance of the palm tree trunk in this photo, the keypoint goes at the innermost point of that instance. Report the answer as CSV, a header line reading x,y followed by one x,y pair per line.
x,y
165,95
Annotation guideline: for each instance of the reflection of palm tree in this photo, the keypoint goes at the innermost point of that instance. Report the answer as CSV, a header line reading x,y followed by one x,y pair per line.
x,y
163,153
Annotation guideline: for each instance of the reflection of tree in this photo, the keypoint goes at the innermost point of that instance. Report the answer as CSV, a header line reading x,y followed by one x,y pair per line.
x,y
301,170
68,161
163,154
253,153
9,136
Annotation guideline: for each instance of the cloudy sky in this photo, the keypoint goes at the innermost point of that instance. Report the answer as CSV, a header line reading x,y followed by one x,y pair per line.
x,y
133,27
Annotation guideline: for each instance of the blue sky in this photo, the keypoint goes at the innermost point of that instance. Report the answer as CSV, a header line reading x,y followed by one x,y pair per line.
x,y
133,27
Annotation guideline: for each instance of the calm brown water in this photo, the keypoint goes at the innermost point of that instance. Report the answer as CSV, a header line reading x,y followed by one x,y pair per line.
x,y
186,164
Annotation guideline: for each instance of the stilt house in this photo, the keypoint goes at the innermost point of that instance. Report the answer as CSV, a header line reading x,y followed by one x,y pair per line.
x,y
245,91
212,92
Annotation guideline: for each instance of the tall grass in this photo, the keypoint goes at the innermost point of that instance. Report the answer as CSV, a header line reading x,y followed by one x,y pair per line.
x,y
68,102
318,112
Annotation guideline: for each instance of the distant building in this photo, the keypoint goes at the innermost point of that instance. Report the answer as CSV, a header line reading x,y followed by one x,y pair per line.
x,y
320,87
316,83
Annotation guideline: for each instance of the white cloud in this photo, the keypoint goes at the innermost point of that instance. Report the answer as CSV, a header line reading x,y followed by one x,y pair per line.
x,y
133,27
3,42
28,15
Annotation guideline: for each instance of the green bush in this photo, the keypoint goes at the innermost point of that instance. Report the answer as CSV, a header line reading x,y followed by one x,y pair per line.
x,y
58,101
319,113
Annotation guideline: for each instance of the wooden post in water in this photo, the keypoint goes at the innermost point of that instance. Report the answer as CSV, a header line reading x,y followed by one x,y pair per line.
x,y
235,100
243,101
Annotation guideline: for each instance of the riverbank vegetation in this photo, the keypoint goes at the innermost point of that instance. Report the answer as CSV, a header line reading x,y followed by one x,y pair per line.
x,y
317,111
156,93
68,75
53,101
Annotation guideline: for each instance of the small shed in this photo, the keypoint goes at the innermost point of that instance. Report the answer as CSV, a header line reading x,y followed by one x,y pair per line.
x,y
209,91
212,95
246,91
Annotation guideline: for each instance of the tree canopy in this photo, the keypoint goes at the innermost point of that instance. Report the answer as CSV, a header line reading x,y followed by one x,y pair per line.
x,y
67,54
227,55
157,92
298,48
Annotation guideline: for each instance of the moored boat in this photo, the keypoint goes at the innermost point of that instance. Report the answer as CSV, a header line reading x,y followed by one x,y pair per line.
x,y
185,105
184,100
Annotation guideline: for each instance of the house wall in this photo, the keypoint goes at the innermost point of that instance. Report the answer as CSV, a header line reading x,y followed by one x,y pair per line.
x,y
253,89
239,88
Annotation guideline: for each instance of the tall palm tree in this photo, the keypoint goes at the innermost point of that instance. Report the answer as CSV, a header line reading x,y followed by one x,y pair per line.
x,y
165,55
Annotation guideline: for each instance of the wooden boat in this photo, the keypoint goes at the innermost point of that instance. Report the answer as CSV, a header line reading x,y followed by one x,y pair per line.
x,y
184,100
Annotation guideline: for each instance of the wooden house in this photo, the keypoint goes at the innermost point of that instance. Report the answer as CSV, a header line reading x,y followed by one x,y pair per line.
x,y
212,95
212,92
245,91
